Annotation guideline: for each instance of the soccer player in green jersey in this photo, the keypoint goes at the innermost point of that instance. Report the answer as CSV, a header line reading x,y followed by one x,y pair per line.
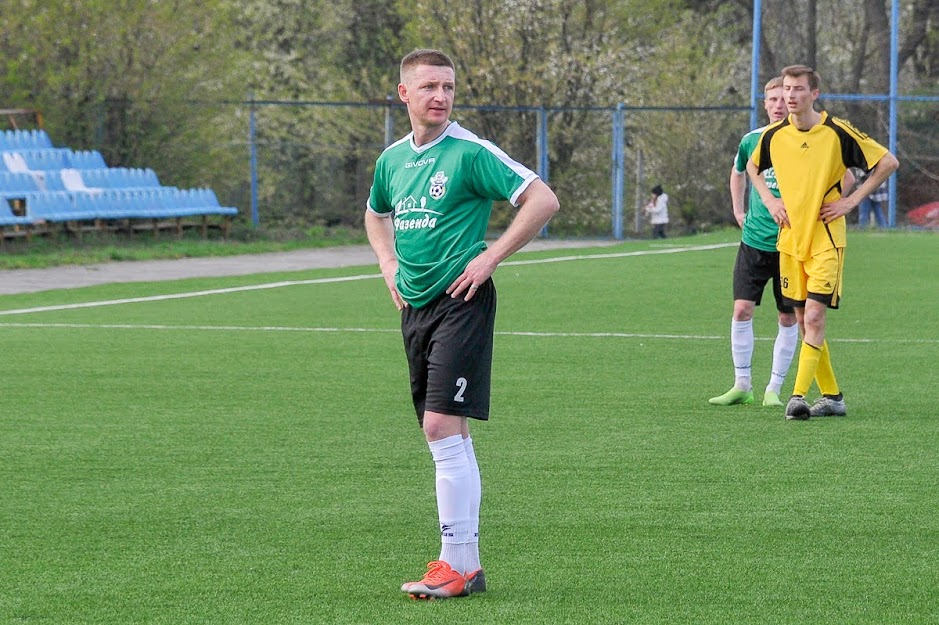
x,y
757,264
810,152
426,219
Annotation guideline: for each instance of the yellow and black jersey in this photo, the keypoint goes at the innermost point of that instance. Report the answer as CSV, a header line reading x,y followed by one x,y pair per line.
x,y
809,166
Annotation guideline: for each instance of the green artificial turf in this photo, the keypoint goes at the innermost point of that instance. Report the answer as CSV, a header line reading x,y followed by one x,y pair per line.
x,y
253,457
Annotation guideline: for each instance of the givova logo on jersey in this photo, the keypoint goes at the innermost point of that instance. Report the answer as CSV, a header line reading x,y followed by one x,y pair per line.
x,y
438,185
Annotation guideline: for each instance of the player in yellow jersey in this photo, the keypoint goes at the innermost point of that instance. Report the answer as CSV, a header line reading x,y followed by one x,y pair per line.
x,y
810,152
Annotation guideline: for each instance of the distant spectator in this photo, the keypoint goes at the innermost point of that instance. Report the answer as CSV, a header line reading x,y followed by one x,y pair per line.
x,y
657,210
873,204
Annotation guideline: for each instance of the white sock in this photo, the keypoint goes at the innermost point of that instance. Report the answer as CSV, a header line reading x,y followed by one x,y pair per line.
x,y
453,498
741,349
787,339
476,492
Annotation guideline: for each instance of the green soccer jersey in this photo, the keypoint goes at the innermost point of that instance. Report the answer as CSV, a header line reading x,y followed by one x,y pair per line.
x,y
440,196
759,229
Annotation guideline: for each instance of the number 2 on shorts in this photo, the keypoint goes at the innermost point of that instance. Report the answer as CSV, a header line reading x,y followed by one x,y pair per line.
x,y
461,385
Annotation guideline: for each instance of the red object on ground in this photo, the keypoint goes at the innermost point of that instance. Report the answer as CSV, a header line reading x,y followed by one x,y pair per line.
x,y
926,215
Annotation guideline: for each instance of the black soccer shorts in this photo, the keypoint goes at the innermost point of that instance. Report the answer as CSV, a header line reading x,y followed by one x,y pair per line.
x,y
752,270
449,349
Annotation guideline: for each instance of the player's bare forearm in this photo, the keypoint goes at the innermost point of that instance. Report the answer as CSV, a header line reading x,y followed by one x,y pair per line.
x,y
882,170
536,207
738,188
380,234
847,182
775,206
756,179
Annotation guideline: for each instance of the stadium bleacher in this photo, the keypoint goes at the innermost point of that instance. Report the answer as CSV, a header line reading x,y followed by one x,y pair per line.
x,y
41,184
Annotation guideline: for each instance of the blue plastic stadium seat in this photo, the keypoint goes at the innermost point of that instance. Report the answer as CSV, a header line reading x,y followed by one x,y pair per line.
x,y
97,178
32,171
111,204
40,139
87,203
148,178
143,178
55,206
47,205
193,202
46,158
15,140
93,178
210,202
106,204
119,178
127,203
181,204
51,180
6,141
35,139
177,204
17,182
86,159
161,203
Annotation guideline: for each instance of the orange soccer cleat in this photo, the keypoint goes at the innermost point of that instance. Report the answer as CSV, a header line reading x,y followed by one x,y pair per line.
x,y
440,582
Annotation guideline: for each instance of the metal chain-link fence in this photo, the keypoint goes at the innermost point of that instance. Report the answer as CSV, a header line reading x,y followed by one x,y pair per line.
x,y
297,165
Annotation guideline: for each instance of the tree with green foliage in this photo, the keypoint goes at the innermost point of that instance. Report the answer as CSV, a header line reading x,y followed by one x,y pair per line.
x,y
160,83
139,81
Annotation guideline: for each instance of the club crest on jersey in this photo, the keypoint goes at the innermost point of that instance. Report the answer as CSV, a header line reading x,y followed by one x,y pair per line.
x,y
438,185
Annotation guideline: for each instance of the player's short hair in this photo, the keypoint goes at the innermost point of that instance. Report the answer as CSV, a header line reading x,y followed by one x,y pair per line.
x,y
795,71
424,56
774,83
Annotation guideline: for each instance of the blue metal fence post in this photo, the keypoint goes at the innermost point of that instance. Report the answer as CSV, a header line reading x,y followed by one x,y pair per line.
x,y
253,148
542,150
389,122
755,60
618,170
892,142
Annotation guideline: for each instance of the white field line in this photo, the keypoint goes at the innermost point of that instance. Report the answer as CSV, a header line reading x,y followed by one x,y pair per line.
x,y
671,250
172,296
615,335
277,285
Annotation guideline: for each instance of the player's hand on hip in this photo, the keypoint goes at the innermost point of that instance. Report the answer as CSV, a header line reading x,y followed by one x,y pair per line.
x,y
474,276
399,303
388,272
832,211
777,210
